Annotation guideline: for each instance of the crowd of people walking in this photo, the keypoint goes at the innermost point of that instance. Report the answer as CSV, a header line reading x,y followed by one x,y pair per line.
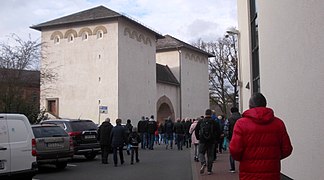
x,y
166,133
257,139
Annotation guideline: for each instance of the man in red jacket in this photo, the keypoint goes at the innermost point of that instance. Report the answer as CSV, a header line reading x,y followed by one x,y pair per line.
x,y
260,140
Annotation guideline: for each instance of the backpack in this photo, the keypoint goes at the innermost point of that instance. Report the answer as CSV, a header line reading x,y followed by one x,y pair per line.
x,y
206,130
168,125
134,140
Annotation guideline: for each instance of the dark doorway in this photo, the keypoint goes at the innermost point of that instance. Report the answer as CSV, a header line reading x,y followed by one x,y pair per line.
x,y
164,112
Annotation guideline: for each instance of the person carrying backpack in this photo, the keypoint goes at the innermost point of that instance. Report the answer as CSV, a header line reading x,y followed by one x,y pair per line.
x,y
128,129
207,132
168,129
134,139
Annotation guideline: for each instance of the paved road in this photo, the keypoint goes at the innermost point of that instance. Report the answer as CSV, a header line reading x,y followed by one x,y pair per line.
x,y
220,169
157,164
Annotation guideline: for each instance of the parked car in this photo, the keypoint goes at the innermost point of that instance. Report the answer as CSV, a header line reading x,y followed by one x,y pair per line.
x,y
53,145
83,133
17,147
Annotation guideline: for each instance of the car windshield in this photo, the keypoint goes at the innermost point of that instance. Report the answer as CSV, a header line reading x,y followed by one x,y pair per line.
x,y
83,125
49,131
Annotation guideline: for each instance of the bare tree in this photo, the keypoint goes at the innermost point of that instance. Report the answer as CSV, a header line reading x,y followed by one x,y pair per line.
x,y
21,77
222,72
22,55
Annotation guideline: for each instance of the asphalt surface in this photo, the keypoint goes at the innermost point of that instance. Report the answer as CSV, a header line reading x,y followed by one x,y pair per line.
x,y
157,164
220,169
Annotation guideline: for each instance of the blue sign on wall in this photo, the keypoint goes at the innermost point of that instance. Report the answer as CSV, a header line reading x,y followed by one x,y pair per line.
x,y
103,109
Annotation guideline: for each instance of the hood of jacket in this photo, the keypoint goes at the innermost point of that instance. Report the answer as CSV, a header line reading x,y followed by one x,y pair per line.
x,y
260,115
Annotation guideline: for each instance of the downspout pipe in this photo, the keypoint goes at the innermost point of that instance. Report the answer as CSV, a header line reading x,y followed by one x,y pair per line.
x,y
180,92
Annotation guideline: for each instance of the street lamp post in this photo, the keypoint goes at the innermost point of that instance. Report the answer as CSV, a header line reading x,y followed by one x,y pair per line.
x,y
234,32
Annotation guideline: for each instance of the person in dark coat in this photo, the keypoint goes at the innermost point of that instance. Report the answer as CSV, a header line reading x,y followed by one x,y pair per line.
x,y
235,115
187,136
104,132
221,119
134,139
168,129
118,139
128,129
151,128
207,144
128,126
179,133
142,130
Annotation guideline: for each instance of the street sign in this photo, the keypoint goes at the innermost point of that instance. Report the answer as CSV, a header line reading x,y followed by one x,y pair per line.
x,y
103,109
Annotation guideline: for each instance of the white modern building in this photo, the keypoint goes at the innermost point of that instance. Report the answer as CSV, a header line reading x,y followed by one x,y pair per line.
x,y
281,56
109,65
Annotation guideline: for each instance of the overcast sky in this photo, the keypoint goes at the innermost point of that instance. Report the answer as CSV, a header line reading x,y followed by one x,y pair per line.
x,y
187,20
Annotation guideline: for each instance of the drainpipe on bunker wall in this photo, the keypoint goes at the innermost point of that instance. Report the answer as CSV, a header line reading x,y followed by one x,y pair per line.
x,y
180,93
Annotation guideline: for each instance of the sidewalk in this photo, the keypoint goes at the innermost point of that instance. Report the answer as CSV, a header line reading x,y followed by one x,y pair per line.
x,y
220,169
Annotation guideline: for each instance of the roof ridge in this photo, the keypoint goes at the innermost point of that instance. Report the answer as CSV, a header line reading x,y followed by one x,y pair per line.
x,y
95,13
170,42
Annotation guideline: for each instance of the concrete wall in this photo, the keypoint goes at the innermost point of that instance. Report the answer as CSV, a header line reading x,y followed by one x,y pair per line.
x,y
291,66
244,54
136,72
194,83
87,72
194,79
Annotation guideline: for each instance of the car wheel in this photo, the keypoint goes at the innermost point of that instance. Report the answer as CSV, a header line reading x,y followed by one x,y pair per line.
x,y
61,165
41,168
90,156
27,176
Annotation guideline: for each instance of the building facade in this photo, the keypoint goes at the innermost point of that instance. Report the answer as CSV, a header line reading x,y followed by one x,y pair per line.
x,y
106,66
190,67
20,92
280,56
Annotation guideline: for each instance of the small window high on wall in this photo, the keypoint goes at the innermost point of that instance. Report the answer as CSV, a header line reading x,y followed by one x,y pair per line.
x,y
99,35
71,38
85,36
57,40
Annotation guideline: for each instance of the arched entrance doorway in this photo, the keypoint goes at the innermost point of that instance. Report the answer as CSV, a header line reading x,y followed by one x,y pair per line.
x,y
164,109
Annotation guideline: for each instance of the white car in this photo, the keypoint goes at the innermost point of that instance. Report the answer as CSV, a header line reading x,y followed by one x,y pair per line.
x,y
17,147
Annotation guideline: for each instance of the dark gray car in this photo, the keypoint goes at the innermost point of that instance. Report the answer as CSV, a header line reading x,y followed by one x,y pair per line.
x,y
84,135
53,145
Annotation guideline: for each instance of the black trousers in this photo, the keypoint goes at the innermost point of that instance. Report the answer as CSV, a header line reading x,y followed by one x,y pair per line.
x,y
207,148
121,155
220,145
134,150
104,153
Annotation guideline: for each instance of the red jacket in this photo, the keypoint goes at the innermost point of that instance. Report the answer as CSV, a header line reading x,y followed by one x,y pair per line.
x,y
259,142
